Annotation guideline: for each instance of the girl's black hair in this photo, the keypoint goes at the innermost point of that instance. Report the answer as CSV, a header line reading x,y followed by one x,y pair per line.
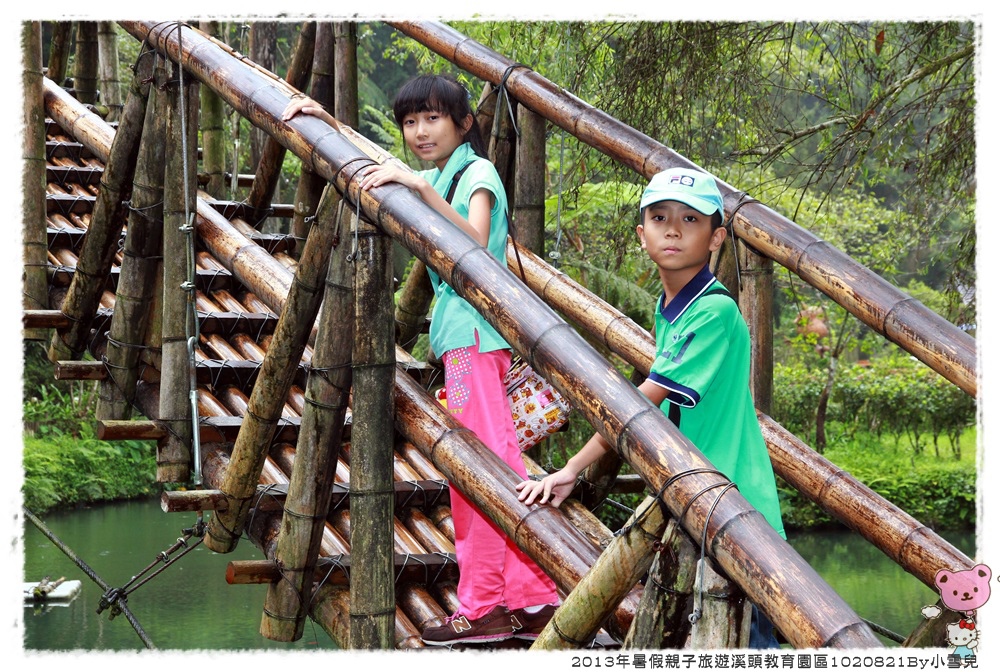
x,y
442,94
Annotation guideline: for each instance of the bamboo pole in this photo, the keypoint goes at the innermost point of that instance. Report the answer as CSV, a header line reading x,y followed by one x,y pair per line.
x,y
661,620
213,140
34,278
746,550
723,614
502,141
414,302
271,389
138,283
59,49
311,185
174,457
528,213
273,153
101,242
757,275
109,83
345,34
318,445
613,576
884,308
85,63
373,604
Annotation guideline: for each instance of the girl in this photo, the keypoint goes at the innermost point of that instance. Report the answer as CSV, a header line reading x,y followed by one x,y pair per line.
x,y
501,592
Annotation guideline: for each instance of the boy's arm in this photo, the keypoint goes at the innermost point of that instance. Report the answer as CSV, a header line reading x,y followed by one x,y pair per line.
x,y
560,484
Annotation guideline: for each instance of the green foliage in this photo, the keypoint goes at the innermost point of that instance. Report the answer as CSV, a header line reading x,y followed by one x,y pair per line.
x,y
939,493
895,397
63,470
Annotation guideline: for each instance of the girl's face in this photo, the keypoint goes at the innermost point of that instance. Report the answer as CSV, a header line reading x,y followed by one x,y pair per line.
x,y
433,136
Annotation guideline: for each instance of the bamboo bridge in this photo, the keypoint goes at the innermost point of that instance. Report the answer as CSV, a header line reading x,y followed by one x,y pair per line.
x,y
265,372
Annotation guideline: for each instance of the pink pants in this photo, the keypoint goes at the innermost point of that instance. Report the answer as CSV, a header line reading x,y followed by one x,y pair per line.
x,y
492,569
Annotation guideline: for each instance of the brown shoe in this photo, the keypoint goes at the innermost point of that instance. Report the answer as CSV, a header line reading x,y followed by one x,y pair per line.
x,y
529,626
458,629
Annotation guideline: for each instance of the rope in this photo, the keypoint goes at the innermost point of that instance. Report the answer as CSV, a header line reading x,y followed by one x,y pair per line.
x,y
121,605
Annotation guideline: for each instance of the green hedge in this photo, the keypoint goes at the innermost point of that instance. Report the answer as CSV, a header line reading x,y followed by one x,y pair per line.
x,y
939,493
895,397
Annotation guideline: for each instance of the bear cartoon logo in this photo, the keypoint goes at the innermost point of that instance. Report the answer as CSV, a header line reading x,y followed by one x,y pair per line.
x,y
966,590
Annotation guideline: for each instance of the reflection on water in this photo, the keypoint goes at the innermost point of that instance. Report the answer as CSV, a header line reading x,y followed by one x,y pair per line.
x,y
876,588
188,605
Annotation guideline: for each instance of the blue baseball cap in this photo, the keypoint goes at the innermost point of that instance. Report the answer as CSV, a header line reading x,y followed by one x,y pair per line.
x,y
692,187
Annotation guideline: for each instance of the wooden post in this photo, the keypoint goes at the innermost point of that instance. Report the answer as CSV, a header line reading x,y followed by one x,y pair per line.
x,y
661,620
174,455
135,324
723,611
271,390
101,242
273,153
85,64
502,140
213,140
110,84
311,185
613,576
35,283
757,275
345,109
263,42
413,304
528,212
372,590
318,446
62,36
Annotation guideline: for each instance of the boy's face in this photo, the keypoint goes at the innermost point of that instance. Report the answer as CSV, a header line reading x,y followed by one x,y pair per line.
x,y
677,237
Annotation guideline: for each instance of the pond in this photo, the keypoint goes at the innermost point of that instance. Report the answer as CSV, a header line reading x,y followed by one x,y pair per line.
x,y
189,605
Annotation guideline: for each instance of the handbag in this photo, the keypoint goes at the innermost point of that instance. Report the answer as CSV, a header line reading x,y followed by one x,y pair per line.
x,y
538,409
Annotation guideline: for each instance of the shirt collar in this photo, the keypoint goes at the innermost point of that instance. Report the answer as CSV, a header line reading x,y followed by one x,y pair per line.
x,y
691,291
462,156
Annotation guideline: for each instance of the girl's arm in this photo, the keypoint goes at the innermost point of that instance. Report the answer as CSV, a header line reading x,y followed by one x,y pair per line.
x,y
480,203
560,484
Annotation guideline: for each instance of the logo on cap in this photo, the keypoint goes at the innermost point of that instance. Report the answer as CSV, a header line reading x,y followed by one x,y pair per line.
x,y
685,180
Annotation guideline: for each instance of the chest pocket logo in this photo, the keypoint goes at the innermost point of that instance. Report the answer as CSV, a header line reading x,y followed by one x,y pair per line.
x,y
676,359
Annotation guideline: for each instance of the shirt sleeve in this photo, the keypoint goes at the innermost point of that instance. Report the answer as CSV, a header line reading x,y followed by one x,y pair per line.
x,y
689,360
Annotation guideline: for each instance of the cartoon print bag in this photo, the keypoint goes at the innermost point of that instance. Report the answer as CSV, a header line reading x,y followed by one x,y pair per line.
x,y
537,408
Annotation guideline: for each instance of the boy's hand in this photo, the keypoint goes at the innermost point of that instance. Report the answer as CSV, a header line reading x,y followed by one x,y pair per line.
x,y
558,486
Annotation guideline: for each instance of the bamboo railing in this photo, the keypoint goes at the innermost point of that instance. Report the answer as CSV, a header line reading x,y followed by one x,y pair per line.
x,y
877,303
799,602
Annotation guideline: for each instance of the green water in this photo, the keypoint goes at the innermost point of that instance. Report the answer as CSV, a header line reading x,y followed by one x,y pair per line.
x,y
189,606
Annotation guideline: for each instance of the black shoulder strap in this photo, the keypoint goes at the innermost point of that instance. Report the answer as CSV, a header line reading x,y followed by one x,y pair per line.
x,y
725,292
454,183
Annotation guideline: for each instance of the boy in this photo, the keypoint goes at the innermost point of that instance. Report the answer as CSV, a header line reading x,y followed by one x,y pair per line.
x,y
700,376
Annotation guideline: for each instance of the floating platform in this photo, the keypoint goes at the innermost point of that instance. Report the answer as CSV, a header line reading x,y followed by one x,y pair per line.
x,y
64,592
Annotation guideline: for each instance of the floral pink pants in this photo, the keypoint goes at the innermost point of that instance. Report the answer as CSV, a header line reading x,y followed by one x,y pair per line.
x,y
492,569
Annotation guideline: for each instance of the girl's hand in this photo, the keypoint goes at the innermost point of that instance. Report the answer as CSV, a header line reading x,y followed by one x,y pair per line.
x,y
558,486
383,173
305,105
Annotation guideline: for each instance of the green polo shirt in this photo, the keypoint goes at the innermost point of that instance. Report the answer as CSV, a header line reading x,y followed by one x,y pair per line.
x,y
703,361
454,322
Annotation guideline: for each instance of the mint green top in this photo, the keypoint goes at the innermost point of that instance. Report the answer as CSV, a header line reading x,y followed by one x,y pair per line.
x,y
454,322
703,361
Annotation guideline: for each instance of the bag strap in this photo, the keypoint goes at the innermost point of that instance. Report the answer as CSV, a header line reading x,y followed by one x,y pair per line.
x,y
510,224
454,183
